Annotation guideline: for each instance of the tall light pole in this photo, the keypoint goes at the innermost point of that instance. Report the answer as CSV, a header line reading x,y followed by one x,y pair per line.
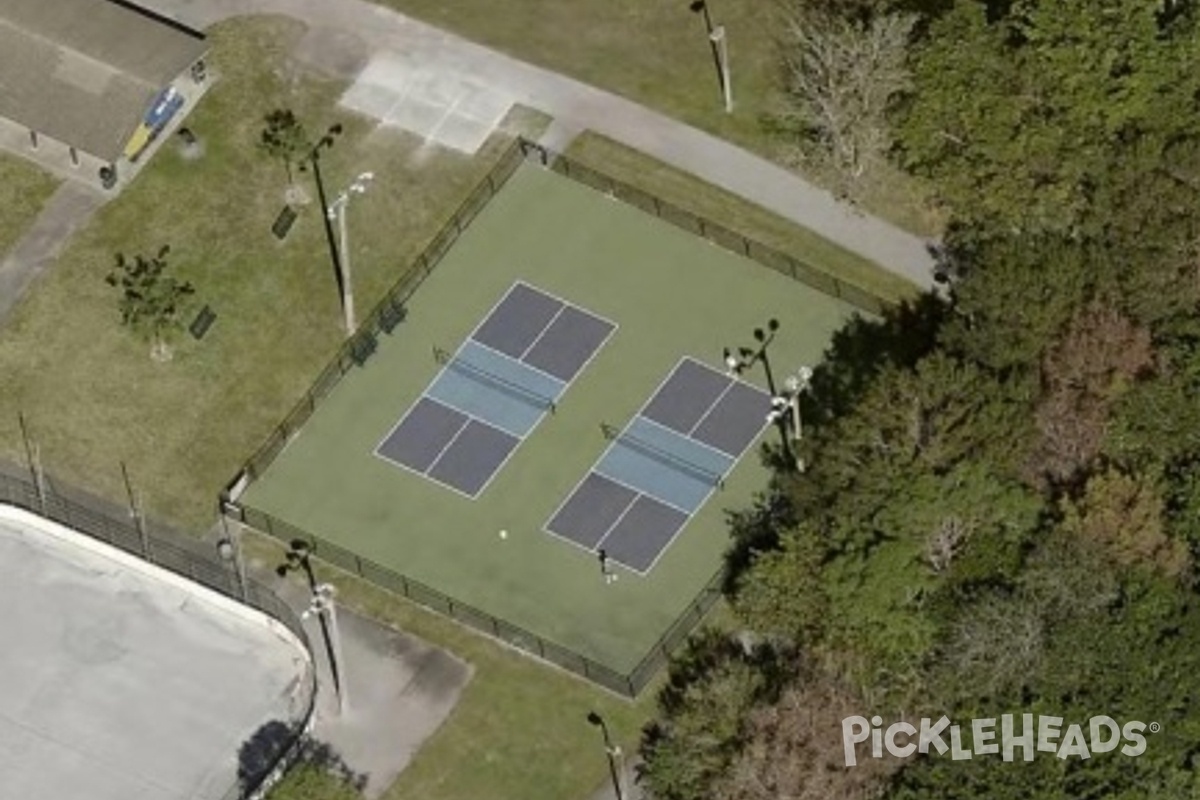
x,y
718,36
787,405
610,750
320,605
739,360
720,51
338,210
747,357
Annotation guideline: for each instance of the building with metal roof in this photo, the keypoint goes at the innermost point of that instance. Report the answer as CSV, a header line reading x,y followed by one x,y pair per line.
x,y
82,79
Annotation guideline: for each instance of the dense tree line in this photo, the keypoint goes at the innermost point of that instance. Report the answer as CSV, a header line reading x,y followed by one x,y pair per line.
x,y
1001,511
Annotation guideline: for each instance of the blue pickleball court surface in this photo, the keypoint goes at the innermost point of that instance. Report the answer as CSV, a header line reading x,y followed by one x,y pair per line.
x,y
495,389
663,466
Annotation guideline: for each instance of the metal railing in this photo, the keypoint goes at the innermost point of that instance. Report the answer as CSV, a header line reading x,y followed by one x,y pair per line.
x,y
174,551
391,310
440,602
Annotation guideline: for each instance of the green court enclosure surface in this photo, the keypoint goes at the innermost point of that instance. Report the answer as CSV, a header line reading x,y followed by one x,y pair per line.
x,y
670,293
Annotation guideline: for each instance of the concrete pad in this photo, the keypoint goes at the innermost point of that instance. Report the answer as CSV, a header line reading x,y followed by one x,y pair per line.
x,y
416,117
399,691
370,100
462,133
125,682
485,105
443,106
427,87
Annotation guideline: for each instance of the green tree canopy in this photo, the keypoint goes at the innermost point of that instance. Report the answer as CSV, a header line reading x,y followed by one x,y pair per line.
x,y
1021,109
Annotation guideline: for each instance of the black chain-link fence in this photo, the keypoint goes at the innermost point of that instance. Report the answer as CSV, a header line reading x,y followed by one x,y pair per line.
x,y
391,311
797,269
167,548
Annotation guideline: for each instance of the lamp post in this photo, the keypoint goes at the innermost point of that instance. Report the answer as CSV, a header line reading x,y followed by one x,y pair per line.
x,y
610,750
720,51
314,158
747,357
787,405
718,37
338,210
739,360
321,605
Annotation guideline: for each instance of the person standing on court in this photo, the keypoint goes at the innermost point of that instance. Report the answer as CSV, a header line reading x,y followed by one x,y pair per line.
x,y
609,575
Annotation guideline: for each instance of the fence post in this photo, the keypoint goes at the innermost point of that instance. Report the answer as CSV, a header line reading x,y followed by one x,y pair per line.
x,y
35,463
136,512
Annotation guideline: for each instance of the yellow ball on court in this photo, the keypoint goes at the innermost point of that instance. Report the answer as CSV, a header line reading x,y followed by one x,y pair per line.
x,y
503,534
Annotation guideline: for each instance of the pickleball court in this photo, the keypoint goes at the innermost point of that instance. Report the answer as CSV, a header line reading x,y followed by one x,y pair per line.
x,y
663,466
558,377
492,393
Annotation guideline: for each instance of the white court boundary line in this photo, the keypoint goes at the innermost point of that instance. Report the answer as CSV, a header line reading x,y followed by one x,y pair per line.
x,y
612,329
730,382
593,469
530,367
470,338
541,335
691,438
762,426
469,418
565,500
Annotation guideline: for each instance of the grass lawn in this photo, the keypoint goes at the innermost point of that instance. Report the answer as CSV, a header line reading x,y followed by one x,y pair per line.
x,y
519,731
87,386
23,190
614,261
657,53
93,398
687,191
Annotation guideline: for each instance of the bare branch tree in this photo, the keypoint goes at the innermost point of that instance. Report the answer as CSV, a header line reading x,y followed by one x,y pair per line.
x,y
946,540
842,73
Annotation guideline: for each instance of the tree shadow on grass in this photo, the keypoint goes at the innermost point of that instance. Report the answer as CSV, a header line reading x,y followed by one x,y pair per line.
x,y
858,352
865,347
262,752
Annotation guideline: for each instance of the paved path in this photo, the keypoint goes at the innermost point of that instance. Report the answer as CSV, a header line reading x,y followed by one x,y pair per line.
x,y
67,210
398,689
578,106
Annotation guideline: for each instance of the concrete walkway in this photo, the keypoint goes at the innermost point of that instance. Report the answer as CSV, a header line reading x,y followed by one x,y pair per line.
x,y
577,106
67,210
398,689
